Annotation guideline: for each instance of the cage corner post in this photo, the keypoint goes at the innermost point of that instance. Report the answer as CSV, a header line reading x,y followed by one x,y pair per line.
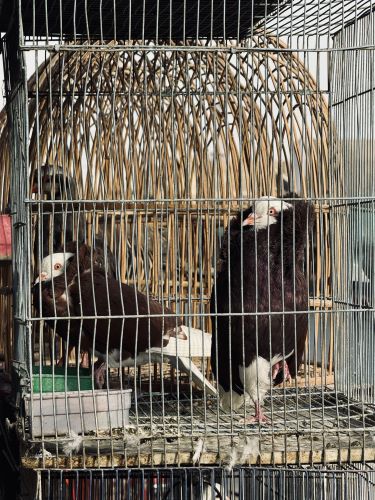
x,y
17,114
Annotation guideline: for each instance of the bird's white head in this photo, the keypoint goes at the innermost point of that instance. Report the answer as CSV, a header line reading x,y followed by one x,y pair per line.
x,y
53,265
265,212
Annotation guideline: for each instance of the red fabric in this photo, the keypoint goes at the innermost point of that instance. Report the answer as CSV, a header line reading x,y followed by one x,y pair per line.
x,y
5,237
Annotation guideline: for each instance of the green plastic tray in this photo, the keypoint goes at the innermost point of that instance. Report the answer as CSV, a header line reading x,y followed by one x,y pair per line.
x,y
58,382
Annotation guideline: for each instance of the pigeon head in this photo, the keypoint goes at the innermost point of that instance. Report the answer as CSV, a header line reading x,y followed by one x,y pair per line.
x,y
55,183
53,266
50,176
265,211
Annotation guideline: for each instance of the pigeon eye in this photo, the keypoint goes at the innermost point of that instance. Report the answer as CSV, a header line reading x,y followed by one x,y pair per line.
x,y
272,211
57,267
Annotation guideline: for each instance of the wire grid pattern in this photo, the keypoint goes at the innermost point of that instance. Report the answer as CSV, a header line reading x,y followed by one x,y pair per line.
x,y
160,140
164,22
318,17
346,482
355,372
324,427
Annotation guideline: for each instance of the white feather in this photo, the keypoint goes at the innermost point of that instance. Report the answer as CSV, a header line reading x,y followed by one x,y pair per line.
x,y
214,492
261,217
178,352
43,454
231,400
264,203
197,344
250,449
233,459
198,451
186,365
256,376
256,380
246,450
48,271
74,444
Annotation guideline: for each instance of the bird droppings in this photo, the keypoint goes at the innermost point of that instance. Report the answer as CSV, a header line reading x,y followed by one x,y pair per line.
x,y
44,454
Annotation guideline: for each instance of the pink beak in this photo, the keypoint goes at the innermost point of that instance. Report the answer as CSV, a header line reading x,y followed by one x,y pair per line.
x,y
42,277
250,220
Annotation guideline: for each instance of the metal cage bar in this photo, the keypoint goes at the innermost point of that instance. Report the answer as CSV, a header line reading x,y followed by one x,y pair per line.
x,y
133,149
182,483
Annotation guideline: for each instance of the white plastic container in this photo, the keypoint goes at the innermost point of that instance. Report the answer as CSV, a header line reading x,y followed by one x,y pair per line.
x,y
58,413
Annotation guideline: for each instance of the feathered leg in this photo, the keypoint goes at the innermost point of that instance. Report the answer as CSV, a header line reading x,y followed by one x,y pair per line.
x,y
256,381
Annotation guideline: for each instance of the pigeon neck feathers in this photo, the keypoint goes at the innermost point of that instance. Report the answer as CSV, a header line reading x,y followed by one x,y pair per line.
x,y
278,226
257,232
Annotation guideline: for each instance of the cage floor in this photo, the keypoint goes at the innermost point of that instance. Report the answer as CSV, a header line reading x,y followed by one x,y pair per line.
x,y
311,425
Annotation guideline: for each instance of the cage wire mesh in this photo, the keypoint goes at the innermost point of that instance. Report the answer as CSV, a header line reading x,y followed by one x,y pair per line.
x,y
144,143
355,370
215,483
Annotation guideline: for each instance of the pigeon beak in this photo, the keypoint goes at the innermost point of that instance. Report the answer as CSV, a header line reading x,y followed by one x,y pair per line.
x,y
42,277
249,221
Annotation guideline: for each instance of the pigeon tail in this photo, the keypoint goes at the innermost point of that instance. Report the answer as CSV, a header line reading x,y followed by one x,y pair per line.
x,y
186,365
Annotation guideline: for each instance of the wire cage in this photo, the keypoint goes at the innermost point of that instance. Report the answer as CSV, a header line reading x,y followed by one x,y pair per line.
x,y
143,143
284,483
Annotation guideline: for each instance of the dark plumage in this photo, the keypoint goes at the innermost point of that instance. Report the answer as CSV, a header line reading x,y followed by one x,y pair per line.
x,y
274,247
60,222
93,295
53,293
99,255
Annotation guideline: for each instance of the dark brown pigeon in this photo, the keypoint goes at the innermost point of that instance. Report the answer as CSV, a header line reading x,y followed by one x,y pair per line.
x,y
260,270
139,331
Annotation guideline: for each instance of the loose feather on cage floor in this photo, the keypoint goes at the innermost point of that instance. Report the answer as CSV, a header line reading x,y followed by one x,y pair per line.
x,y
294,419
323,422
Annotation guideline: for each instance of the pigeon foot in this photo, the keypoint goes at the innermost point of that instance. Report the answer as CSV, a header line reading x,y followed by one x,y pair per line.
x,y
99,374
259,417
